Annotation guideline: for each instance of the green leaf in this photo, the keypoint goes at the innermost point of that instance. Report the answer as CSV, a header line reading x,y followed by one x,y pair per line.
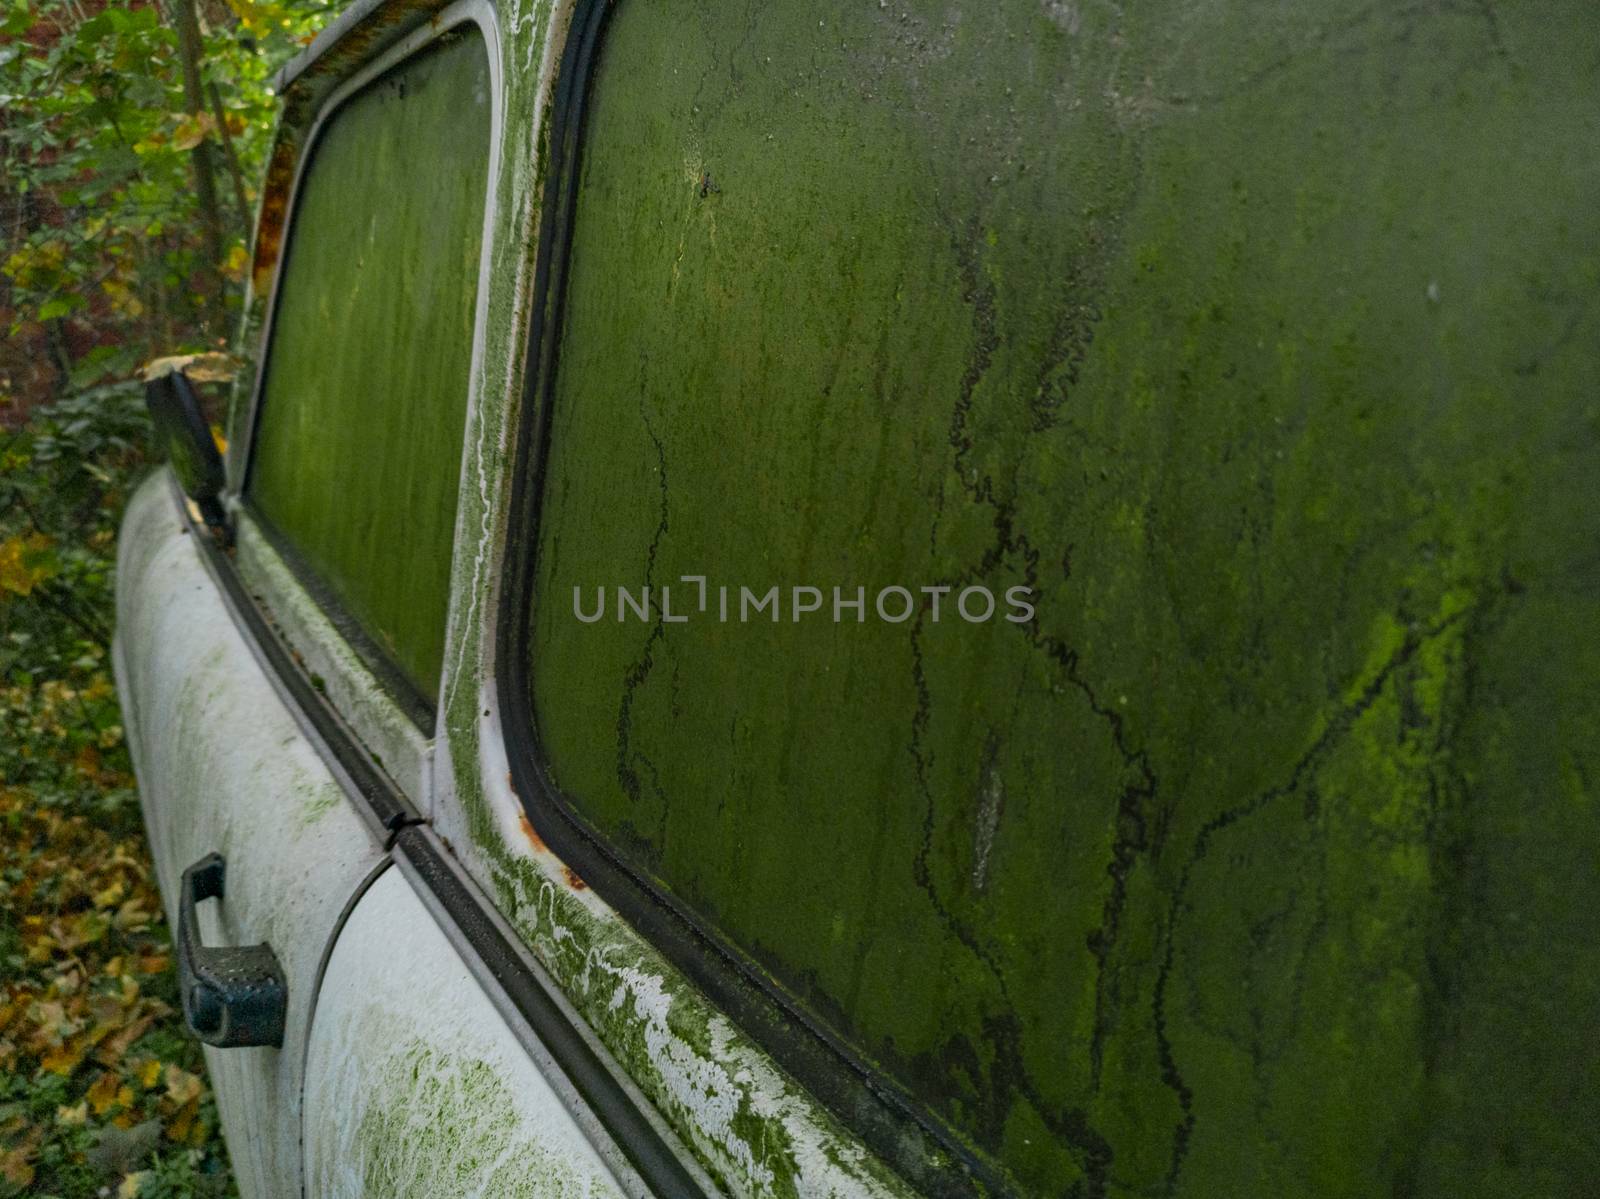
x,y
60,306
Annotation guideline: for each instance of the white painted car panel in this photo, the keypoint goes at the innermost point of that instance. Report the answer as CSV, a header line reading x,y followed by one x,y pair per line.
x,y
415,1087
224,766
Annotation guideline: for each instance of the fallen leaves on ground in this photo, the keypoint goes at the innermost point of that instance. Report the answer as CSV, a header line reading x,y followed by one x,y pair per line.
x,y
102,1092
89,1033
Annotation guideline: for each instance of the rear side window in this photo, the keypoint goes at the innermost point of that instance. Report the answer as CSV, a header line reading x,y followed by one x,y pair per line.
x,y
358,445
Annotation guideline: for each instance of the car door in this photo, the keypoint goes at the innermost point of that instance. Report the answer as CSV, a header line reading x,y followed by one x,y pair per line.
x,y
280,690
225,767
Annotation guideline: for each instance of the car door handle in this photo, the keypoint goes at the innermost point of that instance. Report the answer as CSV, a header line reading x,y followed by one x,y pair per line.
x,y
231,996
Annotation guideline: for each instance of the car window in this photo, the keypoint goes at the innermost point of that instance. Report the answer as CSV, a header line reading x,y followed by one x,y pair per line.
x,y
1188,330
798,310
357,451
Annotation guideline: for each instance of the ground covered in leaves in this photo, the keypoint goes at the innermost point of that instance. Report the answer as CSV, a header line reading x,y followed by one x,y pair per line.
x,y
102,1093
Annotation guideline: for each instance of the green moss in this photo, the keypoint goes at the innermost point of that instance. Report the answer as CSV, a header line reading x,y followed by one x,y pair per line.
x,y
358,455
443,1125
1260,344
318,804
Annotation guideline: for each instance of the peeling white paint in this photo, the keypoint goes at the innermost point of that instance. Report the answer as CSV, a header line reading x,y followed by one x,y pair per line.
x,y
708,1085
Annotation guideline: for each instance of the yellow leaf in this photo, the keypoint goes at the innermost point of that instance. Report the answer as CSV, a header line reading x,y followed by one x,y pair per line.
x,y
132,916
70,1117
182,1087
103,1093
113,1047
257,17
181,1123
25,562
132,1184
238,259
15,1167
87,929
192,129
111,896
122,297
150,1074
30,264
64,1058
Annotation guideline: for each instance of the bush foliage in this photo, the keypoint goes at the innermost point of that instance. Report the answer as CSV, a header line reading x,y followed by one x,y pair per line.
x,y
99,1086
109,255
106,253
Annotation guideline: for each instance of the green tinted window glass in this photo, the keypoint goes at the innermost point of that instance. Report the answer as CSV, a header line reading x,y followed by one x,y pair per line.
x,y
1260,346
358,447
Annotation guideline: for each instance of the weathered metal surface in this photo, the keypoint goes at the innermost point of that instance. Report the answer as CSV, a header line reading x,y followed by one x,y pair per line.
x,y
223,767
418,1088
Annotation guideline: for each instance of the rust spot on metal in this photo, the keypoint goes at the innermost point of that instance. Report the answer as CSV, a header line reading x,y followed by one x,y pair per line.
x,y
573,881
301,100
274,212
533,838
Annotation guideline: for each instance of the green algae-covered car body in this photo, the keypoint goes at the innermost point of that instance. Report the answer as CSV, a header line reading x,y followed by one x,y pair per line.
x,y
887,599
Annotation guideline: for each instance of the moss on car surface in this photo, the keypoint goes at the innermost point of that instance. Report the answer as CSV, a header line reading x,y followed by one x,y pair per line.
x,y
1261,347
358,450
